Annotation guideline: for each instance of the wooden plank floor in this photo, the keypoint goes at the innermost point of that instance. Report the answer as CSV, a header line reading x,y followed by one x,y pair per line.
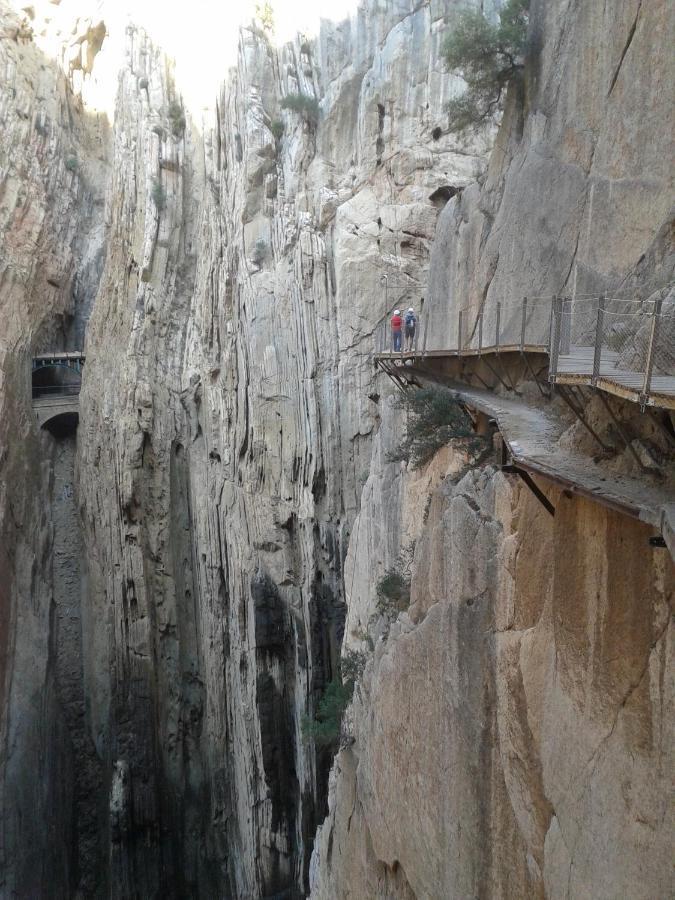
x,y
532,432
579,361
575,367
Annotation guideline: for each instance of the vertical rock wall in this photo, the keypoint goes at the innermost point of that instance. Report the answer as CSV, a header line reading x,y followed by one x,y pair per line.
x,y
510,734
226,422
511,731
52,156
578,193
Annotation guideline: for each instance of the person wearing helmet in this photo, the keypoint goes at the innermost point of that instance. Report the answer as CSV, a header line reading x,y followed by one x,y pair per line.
x,y
396,327
410,328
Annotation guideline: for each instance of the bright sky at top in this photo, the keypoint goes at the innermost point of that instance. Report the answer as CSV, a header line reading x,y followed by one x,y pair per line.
x,y
201,35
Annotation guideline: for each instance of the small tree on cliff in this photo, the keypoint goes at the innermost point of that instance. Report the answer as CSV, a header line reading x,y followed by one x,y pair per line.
x,y
488,56
434,418
264,14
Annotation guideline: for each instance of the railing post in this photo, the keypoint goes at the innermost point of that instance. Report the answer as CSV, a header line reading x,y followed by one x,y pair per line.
x,y
480,333
556,315
499,313
459,332
523,325
550,326
597,354
424,337
565,325
649,364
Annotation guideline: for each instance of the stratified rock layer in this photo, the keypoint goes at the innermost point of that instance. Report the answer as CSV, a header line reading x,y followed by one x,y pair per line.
x,y
509,732
226,423
513,733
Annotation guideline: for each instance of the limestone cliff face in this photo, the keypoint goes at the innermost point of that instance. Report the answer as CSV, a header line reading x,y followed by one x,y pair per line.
x,y
510,733
227,448
226,419
52,157
235,505
578,192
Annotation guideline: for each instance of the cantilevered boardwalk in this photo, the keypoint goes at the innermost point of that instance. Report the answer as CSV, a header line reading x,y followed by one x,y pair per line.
x,y
631,358
621,347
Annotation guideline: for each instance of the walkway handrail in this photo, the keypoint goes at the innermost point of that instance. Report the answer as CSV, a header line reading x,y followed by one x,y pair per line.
x,y
595,338
55,390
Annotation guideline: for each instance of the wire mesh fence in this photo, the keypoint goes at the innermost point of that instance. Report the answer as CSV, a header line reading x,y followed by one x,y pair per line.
x,y
55,390
630,343
627,341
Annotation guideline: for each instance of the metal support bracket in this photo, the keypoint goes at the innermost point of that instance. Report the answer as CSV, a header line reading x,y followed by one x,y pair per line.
x,y
512,469
624,437
579,414
496,374
545,394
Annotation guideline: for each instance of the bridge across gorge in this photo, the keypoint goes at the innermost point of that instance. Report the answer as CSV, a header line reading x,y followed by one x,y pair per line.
x,y
56,380
621,346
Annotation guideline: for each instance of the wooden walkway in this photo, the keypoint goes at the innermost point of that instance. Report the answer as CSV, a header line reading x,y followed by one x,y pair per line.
x,y
575,367
531,432
623,346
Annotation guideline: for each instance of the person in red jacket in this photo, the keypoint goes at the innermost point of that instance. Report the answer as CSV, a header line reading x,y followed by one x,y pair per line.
x,y
396,326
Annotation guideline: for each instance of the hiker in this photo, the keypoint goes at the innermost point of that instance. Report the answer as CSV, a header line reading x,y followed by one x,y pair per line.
x,y
410,326
396,326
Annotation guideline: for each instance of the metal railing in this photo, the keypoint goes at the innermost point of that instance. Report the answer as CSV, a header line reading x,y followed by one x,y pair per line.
x,y
507,325
628,343
623,345
55,390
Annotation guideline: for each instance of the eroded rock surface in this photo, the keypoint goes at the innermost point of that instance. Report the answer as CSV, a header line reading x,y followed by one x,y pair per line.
x,y
510,731
234,493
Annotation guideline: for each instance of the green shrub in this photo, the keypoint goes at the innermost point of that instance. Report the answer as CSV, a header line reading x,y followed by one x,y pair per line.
x,y
158,194
434,419
393,593
264,14
488,56
307,107
352,665
71,164
259,252
324,728
177,118
277,129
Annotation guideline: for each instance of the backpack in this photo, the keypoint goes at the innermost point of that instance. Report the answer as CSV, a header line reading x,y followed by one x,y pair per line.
x,y
410,320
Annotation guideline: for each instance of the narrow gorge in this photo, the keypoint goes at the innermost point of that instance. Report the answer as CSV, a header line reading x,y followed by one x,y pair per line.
x,y
225,502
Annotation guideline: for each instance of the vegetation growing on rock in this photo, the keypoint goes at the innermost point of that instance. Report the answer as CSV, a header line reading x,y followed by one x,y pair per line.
x,y
158,194
307,107
277,129
393,592
434,418
326,726
264,14
177,119
488,56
